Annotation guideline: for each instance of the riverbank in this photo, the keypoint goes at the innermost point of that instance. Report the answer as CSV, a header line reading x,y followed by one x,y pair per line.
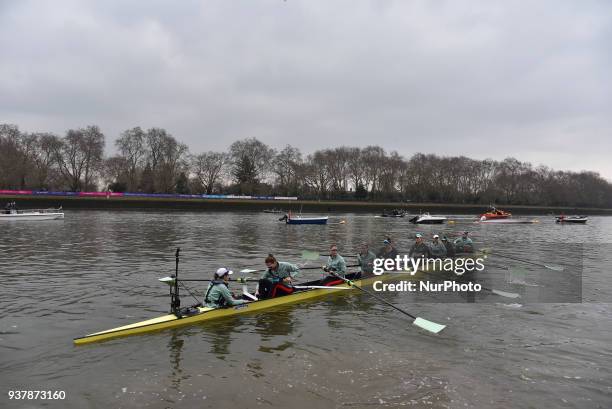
x,y
140,203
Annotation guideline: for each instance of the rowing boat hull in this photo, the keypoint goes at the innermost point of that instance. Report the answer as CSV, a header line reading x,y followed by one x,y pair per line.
x,y
32,216
433,220
508,221
206,314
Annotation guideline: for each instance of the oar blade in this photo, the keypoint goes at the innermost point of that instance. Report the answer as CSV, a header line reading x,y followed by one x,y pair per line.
x,y
167,280
554,267
310,255
428,325
505,294
248,270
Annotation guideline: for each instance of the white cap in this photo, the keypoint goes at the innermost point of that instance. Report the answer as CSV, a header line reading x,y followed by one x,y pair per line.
x,y
436,236
223,271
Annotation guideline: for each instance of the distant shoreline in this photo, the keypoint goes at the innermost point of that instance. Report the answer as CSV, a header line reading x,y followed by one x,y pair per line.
x,y
310,206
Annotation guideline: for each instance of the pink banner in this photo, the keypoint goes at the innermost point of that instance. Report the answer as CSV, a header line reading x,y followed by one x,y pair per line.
x,y
15,192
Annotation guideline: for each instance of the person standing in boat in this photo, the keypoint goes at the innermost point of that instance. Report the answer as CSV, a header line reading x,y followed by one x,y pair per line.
x,y
419,248
365,259
450,247
437,249
464,244
218,294
388,251
276,280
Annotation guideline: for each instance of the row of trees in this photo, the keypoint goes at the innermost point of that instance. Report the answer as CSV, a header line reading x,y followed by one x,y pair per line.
x,y
153,161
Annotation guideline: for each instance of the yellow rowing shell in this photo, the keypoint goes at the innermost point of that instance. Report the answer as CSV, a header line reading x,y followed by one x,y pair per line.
x,y
205,314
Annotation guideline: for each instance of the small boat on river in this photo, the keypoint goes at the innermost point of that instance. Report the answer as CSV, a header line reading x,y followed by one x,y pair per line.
x,y
571,219
32,214
495,214
426,218
291,219
394,213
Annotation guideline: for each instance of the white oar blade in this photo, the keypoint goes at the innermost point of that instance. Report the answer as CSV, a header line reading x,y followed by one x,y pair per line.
x,y
321,287
167,280
246,293
248,270
506,294
554,267
428,325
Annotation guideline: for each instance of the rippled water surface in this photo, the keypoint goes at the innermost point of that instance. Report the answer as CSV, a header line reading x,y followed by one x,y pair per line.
x,y
98,269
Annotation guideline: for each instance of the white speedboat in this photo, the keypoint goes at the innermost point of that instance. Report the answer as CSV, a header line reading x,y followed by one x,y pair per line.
x,y
33,214
426,218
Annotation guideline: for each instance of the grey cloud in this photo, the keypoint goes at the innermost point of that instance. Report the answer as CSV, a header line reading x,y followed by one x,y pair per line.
x,y
481,79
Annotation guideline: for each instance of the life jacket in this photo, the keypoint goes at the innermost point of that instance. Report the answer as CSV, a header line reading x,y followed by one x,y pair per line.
x,y
220,301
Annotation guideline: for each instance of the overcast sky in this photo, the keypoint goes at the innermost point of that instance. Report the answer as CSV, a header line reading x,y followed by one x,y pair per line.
x,y
485,79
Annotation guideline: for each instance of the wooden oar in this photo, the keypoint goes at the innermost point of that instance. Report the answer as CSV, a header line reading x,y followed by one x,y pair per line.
x,y
418,321
553,267
321,287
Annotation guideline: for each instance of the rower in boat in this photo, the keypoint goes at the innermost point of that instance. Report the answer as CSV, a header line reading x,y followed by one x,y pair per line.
x,y
388,251
218,294
450,247
276,281
437,249
365,259
419,248
464,244
336,266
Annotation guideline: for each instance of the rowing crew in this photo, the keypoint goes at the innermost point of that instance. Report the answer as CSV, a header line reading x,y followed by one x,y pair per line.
x,y
441,248
277,279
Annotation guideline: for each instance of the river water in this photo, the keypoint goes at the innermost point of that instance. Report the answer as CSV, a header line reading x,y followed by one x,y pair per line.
x,y
98,269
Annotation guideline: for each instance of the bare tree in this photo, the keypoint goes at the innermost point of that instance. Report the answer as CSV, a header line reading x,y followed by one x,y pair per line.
x,y
209,167
316,173
131,146
93,147
285,166
373,157
166,158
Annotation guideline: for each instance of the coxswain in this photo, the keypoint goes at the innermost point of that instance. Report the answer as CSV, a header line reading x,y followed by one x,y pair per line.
x,y
218,294
437,249
464,244
276,280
